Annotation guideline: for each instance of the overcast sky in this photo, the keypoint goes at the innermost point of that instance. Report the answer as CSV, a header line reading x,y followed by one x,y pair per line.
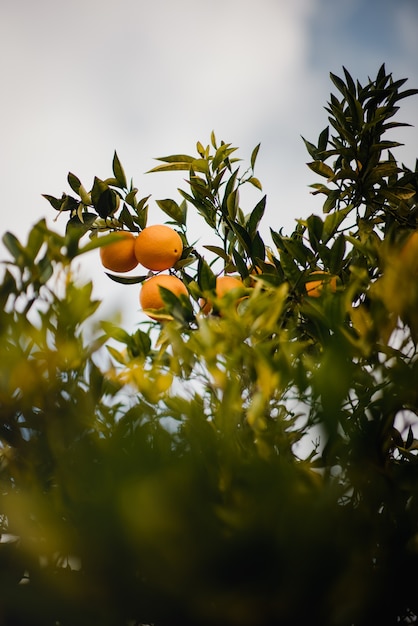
x,y
81,78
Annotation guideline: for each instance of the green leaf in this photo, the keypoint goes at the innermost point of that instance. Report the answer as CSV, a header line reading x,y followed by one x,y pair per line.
x,y
57,203
228,190
115,332
339,83
118,171
104,199
315,229
13,245
337,254
36,239
242,236
139,344
130,198
333,221
240,264
256,216
332,199
173,210
127,280
311,148
232,203
254,155
126,218
258,249
74,182
255,182
321,168
221,154
323,140
186,163
220,252
177,158
83,225
205,277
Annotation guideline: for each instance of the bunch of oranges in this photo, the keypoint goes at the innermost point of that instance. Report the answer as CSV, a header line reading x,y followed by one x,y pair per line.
x,y
157,248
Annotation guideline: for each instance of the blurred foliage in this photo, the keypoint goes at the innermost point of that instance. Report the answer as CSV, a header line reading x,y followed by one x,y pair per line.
x,y
254,466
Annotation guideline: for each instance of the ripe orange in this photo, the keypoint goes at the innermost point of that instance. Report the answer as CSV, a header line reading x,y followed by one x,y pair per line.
x,y
120,255
224,284
314,287
158,247
150,295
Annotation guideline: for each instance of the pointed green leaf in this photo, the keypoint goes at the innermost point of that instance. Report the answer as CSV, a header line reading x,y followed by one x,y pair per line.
x,y
254,156
321,168
173,210
205,277
118,171
74,182
256,216
254,181
219,252
126,280
13,245
240,264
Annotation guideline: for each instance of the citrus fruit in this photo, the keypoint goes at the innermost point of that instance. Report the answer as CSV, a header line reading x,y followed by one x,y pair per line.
x,y
224,284
119,256
150,295
158,247
314,287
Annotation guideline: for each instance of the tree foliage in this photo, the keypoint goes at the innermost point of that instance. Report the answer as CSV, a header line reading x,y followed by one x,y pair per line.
x,y
256,465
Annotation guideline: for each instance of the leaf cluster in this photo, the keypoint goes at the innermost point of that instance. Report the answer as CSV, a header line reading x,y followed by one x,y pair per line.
x,y
215,468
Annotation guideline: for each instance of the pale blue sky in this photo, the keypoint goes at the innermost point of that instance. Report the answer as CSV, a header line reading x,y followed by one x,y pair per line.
x,y
82,78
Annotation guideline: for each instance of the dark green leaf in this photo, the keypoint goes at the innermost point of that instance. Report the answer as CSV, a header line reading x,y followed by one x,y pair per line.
x,y
339,83
242,235
333,221
311,148
315,228
118,172
240,264
74,182
127,280
220,252
173,210
139,344
323,140
13,245
258,249
205,277
126,218
331,201
104,199
337,254
256,216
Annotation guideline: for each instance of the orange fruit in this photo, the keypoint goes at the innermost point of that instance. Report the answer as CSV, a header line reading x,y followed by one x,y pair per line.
x,y
120,255
224,284
314,287
158,247
150,295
